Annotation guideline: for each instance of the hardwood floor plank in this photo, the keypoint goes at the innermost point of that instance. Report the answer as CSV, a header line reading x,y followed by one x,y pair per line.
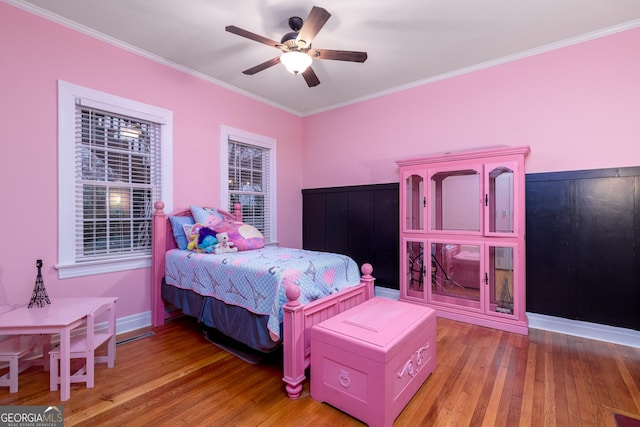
x,y
526,410
517,375
570,388
492,416
629,372
487,372
586,384
559,379
512,390
549,402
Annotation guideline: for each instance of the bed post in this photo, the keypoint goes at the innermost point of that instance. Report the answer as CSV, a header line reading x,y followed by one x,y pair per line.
x,y
367,279
293,343
237,212
158,248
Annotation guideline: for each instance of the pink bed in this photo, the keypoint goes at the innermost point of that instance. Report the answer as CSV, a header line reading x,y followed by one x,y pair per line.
x,y
297,318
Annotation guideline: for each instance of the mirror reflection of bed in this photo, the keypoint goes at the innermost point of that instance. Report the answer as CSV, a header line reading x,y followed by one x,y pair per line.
x,y
456,270
456,273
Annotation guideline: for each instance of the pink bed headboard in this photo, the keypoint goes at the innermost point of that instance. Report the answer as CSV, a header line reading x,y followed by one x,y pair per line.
x,y
171,243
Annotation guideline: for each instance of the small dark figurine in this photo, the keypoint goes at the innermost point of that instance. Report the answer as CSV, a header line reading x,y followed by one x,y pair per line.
x,y
505,305
39,296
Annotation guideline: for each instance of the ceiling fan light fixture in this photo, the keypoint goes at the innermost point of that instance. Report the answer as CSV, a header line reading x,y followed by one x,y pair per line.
x,y
297,54
295,62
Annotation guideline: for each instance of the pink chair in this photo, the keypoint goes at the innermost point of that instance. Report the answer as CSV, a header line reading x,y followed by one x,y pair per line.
x,y
83,346
21,352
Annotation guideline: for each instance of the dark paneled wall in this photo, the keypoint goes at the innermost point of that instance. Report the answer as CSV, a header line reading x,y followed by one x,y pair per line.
x,y
583,245
359,221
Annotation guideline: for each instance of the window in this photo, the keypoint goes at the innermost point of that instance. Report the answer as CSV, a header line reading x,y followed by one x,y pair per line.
x,y
248,177
114,162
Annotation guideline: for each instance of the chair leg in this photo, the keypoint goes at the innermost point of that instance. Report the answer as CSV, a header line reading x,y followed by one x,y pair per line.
x,y
46,347
13,374
111,352
90,369
53,373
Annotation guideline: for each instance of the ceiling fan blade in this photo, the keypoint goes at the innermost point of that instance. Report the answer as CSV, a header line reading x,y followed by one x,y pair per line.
x,y
312,25
252,36
339,55
270,63
310,77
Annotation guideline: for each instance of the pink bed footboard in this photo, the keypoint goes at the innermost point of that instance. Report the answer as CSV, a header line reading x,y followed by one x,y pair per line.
x,y
298,319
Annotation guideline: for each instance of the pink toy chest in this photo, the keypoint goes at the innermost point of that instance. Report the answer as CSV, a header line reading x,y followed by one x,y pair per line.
x,y
370,360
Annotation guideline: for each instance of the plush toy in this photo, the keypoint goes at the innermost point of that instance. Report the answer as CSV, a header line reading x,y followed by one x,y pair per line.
x,y
193,233
201,238
224,245
206,240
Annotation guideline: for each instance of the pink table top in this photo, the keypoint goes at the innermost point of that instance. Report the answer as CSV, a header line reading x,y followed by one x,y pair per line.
x,y
61,312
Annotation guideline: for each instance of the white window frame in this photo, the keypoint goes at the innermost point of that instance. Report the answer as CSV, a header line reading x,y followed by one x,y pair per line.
x,y
68,93
228,133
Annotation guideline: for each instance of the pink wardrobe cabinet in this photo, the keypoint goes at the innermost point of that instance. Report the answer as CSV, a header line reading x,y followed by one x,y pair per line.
x,y
462,235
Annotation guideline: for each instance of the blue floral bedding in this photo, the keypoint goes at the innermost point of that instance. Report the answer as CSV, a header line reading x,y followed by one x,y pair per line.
x,y
254,279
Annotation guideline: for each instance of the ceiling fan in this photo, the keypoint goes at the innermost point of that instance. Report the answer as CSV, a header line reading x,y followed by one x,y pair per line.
x,y
297,53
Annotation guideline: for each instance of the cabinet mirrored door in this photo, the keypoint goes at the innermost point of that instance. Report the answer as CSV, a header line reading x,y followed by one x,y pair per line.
x,y
499,199
414,270
456,274
500,279
455,200
414,202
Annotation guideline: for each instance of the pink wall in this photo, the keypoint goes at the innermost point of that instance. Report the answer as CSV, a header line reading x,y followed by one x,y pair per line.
x,y
34,54
577,108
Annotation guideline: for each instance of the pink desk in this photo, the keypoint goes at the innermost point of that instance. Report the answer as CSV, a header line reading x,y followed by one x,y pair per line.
x,y
60,317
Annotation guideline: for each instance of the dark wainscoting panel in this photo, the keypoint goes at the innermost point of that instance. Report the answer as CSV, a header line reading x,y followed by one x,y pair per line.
x,y
583,245
360,221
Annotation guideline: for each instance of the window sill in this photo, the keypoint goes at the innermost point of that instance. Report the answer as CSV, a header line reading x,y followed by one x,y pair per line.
x,y
66,271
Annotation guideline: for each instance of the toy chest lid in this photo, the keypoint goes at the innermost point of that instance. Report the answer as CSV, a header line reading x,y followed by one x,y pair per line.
x,y
376,328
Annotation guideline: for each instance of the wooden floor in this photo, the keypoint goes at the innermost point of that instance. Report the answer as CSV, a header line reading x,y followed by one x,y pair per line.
x,y
484,377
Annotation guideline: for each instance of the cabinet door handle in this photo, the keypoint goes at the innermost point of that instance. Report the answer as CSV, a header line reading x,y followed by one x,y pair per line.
x,y
486,278
486,200
424,201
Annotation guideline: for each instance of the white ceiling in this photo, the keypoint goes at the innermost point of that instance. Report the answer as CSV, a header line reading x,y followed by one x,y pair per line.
x,y
409,42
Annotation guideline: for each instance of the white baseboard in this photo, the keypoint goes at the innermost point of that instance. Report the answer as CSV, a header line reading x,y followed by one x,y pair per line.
x,y
379,291
593,331
577,328
133,322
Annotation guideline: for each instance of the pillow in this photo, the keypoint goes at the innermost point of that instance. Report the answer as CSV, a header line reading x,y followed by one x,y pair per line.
x,y
244,236
179,235
192,232
210,217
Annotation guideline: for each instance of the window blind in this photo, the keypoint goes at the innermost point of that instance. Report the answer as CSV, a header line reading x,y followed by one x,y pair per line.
x,y
118,176
249,184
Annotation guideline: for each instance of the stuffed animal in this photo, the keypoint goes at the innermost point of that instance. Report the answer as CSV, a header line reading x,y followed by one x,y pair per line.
x,y
193,233
224,245
201,239
206,240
